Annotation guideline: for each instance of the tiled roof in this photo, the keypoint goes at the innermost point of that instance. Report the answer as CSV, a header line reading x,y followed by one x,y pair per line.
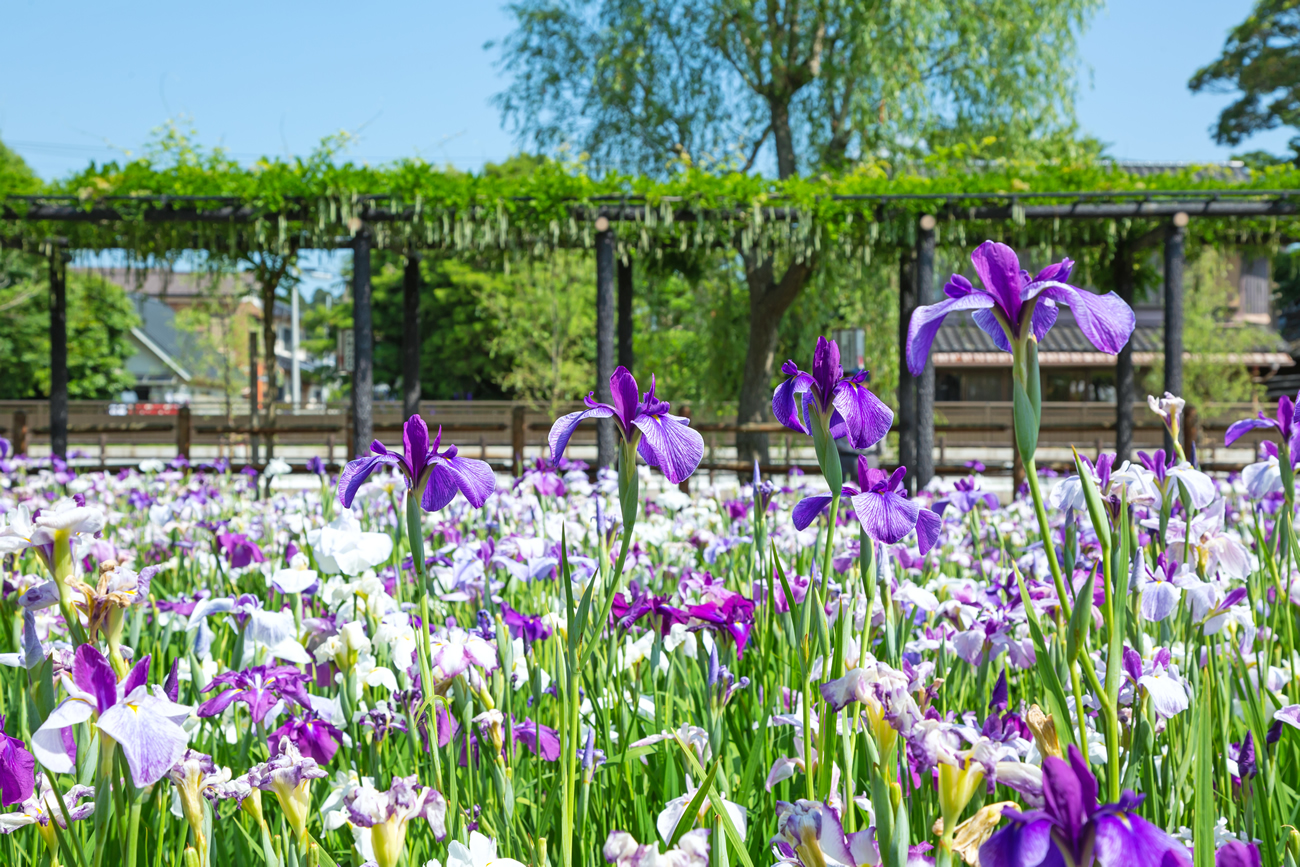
x,y
960,342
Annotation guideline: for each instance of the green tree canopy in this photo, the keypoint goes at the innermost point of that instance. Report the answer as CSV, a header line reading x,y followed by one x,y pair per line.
x,y
1261,61
644,84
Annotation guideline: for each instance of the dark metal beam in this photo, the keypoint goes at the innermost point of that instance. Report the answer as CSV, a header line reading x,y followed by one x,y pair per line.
x,y
363,346
1174,253
58,353
906,382
606,447
925,292
1125,391
625,312
411,336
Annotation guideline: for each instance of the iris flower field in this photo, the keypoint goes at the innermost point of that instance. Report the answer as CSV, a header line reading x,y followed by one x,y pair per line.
x,y
418,662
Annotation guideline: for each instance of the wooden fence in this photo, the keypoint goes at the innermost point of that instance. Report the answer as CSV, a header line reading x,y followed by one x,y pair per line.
x,y
507,434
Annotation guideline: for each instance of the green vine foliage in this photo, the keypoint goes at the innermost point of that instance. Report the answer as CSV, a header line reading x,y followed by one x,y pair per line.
x,y
530,210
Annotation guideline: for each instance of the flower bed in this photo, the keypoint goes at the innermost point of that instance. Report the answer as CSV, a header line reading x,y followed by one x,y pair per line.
x,y
418,661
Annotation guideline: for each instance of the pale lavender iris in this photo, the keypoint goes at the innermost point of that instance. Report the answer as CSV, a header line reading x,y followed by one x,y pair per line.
x,y
1072,828
145,724
439,474
259,687
17,769
843,403
1011,306
882,507
663,440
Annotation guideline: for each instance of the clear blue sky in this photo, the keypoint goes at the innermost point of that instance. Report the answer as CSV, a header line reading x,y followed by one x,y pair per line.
x,y
413,78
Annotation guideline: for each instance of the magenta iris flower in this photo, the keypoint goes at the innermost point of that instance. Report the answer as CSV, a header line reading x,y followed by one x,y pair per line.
x,y
1011,306
240,550
843,403
440,474
882,507
314,737
1072,828
259,687
17,769
663,440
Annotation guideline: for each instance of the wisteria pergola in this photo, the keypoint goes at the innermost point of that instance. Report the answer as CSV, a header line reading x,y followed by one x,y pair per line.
x,y
619,228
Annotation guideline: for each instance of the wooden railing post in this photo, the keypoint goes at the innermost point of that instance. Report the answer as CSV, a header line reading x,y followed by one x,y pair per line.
x,y
20,432
517,440
350,450
183,431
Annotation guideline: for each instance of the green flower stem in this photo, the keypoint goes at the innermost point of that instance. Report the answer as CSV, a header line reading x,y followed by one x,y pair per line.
x,y
1045,527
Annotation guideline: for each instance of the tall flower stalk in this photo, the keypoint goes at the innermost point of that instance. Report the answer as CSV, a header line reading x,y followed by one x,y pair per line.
x,y
1017,311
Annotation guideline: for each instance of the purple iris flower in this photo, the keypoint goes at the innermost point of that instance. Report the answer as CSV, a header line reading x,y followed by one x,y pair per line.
x,y
440,474
1235,853
17,769
259,687
663,440
1072,827
643,603
882,507
1285,422
843,403
314,737
240,550
528,627
965,496
540,740
1011,306
316,465
734,613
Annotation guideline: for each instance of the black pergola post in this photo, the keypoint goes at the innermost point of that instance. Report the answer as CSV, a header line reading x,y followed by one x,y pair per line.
x,y
411,336
1175,239
925,382
1125,390
625,312
363,347
58,353
906,382
606,448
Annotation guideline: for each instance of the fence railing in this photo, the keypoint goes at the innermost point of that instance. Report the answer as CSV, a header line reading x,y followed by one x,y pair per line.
x,y
505,433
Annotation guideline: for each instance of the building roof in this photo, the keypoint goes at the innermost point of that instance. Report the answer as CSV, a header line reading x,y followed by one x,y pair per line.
x,y
961,343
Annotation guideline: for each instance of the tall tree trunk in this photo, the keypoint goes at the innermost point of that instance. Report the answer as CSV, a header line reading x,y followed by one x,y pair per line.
x,y
270,281
768,301
783,138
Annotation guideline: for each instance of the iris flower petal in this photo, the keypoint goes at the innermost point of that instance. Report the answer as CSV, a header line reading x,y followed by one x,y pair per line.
x,y
150,740
886,516
415,440
866,418
678,449
356,472
926,321
807,510
999,271
565,425
787,405
474,478
989,324
1239,428
1105,320
622,386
